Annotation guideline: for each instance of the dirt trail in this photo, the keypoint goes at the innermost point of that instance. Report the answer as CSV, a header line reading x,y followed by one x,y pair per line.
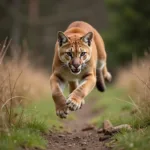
x,y
83,117
74,138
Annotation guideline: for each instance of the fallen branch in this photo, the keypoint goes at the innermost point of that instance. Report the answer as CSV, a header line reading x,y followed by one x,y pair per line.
x,y
108,129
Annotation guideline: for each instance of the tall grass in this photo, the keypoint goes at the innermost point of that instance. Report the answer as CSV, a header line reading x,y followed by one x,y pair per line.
x,y
136,80
20,83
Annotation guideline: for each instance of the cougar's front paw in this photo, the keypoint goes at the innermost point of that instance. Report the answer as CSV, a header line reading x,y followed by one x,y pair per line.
x,y
73,104
62,112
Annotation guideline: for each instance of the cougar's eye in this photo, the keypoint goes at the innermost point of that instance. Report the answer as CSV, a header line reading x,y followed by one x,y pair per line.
x,y
69,54
83,53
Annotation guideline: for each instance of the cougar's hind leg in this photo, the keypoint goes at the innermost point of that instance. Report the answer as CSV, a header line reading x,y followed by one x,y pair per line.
x,y
107,74
102,57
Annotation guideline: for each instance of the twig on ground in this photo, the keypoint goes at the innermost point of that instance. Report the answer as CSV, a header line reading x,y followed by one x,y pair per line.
x,y
108,129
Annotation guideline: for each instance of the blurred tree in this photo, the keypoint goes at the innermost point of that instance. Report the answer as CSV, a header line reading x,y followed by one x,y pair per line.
x,y
16,27
5,19
129,29
33,16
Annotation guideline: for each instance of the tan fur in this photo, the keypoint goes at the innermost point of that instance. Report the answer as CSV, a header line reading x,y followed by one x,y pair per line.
x,y
94,57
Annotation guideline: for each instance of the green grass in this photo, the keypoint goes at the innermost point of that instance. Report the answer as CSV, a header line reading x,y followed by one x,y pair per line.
x,y
117,107
22,137
135,140
37,118
44,111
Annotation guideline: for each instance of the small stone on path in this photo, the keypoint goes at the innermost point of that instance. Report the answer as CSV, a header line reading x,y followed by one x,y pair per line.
x,y
89,127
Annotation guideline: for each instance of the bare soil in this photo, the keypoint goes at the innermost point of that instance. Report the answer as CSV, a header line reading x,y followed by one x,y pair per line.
x,y
76,140
74,137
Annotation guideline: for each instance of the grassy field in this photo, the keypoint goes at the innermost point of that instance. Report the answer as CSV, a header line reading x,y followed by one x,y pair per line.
x,y
114,106
39,116
23,122
128,105
119,108
25,110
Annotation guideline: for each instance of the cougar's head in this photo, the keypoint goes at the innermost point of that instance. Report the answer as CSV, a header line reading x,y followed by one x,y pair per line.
x,y
74,50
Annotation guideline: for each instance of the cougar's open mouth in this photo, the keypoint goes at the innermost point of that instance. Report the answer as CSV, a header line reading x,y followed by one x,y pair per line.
x,y
75,71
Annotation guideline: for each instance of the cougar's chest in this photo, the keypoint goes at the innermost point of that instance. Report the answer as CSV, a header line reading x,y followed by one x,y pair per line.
x,y
68,76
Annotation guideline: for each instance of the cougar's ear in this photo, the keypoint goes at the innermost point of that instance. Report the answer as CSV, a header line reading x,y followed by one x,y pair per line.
x,y
62,38
87,38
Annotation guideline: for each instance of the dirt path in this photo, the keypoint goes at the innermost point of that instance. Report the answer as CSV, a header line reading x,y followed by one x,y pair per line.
x,y
74,138
83,116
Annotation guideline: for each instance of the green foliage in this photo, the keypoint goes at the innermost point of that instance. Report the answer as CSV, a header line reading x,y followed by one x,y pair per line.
x,y
115,110
24,137
135,140
38,126
128,32
36,119
118,109
42,110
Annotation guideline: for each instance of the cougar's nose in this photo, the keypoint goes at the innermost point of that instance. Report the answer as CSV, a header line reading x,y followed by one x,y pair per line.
x,y
76,62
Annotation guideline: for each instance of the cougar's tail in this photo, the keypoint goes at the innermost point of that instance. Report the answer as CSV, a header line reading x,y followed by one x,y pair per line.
x,y
100,83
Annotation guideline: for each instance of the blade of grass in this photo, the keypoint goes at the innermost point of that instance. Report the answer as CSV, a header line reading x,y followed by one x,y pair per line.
x,y
4,50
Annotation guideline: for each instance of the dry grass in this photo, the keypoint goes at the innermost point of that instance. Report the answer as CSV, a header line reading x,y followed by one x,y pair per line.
x,y
136,79
31,82
19,84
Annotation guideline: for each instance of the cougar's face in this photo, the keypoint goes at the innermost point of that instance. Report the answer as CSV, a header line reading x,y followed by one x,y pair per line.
x,y
75,51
